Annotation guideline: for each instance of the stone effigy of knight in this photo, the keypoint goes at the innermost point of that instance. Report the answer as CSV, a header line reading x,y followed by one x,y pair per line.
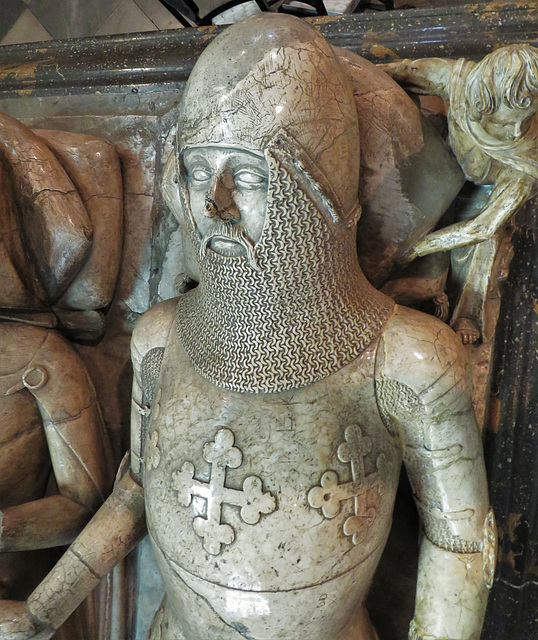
x,y
274,402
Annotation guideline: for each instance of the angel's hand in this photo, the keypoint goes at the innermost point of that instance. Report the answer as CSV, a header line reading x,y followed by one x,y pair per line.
x,y
430,76
456,235
508,194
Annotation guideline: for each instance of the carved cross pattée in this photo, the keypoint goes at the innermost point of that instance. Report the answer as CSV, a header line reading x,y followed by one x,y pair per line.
x,y
330,494
221,453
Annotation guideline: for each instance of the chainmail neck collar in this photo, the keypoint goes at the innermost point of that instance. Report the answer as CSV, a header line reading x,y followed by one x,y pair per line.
x,y
304,314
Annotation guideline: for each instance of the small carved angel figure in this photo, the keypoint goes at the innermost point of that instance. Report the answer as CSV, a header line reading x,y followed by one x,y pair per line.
x,y
493,132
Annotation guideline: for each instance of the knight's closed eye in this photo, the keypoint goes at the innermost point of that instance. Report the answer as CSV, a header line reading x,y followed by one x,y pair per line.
x,y
199,175
250,180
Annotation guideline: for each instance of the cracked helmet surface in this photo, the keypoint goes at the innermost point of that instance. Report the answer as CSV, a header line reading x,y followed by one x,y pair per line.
x,y
276,74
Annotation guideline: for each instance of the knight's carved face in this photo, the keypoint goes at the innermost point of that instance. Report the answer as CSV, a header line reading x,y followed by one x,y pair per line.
x,y
228,196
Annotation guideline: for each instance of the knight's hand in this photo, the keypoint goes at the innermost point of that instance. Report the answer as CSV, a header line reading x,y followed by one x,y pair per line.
x,y
16,623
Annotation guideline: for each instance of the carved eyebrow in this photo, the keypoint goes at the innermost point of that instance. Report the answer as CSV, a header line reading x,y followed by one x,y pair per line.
x,y
196,158
248,163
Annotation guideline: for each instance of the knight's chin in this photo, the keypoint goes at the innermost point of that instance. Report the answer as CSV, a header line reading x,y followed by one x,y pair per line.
x,y
227,247
230,242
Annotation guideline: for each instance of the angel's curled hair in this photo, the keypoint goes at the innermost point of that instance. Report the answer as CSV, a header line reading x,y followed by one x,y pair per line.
x,y
508,75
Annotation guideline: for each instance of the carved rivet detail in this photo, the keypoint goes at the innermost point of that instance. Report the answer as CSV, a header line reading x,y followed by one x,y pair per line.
x,y
35,378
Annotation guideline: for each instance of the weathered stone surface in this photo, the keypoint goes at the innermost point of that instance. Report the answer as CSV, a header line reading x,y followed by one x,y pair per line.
x,y
56,96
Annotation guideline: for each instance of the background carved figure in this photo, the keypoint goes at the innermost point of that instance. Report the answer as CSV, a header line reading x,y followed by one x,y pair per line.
x,y
275,401
493,132
61,213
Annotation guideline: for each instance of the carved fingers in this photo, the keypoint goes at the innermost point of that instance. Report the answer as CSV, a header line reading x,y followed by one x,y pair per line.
x,y
429,76
456,235
467,330
442,307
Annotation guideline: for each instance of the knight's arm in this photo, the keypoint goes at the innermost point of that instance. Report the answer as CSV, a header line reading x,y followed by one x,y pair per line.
x,y
78,444
147,349
109,536
118,525
428,76
424,392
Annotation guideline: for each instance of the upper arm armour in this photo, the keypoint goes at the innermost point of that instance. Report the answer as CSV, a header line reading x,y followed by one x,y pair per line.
x,y
424,397
150,369
147,350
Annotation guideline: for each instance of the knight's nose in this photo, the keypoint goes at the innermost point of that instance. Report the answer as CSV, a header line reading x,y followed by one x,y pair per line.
x,y
219,202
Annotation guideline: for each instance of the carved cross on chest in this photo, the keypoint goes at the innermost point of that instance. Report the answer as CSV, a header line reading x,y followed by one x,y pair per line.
x,y
330,494
221,453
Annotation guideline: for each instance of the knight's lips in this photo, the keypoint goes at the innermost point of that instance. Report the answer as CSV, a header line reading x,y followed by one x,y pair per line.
x,y
226,246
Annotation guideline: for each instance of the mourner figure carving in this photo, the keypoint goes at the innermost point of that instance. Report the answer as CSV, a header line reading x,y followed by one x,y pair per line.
x,y
59,255
493,132
274,402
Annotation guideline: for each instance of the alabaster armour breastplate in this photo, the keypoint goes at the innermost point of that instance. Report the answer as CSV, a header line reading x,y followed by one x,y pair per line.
x,y
274,508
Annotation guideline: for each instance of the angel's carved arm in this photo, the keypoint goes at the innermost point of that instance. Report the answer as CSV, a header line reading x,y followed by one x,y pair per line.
x,y
429,76
508,194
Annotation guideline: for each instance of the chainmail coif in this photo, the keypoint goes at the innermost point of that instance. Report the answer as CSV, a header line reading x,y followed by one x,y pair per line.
x,y
307,312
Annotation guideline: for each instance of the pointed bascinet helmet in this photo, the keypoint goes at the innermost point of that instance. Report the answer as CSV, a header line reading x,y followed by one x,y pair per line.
x,y
275,74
